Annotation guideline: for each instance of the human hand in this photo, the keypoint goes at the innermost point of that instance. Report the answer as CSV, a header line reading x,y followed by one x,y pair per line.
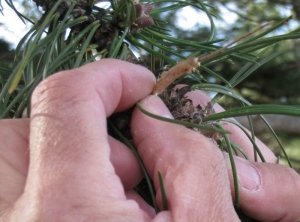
x,y
275,196
78,173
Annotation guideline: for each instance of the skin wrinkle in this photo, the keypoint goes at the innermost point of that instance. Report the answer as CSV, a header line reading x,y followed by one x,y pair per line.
x,y
79,198
200,171
101,97
216,208
9,163
161,136
67,102
126,81
48,90
186,161
191,138
15,130
221,209
189,209
120,156
64,157
148,210
37,141
170,178
7,156
39,122
111,75
5,208
127,208
74,102
160,160
177,179
153,149
290,180
43,92
11,193
81,213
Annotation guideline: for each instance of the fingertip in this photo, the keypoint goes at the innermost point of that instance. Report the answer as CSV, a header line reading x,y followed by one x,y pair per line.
x,y
120,83
268,192
125,164
156,106
141,124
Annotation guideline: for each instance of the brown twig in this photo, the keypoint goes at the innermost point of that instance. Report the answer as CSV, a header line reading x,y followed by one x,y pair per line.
x,y
167,77
189,65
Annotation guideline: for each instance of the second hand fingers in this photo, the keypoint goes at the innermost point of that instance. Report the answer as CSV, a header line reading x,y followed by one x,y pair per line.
x,y
268,192
125,164
237,135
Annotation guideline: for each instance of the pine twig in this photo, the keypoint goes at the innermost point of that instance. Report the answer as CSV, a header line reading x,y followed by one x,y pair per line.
x,y
189,65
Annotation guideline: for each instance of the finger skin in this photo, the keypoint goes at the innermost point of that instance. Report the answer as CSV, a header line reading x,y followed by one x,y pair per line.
x,y
192,168
14,143
125,164
70,165
132,195
276,198
14,159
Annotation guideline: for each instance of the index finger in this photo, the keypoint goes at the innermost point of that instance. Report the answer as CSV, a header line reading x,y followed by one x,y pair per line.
x,y
69,148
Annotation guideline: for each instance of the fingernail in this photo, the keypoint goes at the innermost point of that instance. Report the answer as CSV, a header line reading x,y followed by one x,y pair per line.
x,y
155,104
248,175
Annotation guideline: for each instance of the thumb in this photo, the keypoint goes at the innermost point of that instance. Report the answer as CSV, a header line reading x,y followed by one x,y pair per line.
x,y
193,168
268,192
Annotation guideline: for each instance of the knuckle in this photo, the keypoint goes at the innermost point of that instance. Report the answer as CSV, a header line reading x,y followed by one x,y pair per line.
x,y
54,89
